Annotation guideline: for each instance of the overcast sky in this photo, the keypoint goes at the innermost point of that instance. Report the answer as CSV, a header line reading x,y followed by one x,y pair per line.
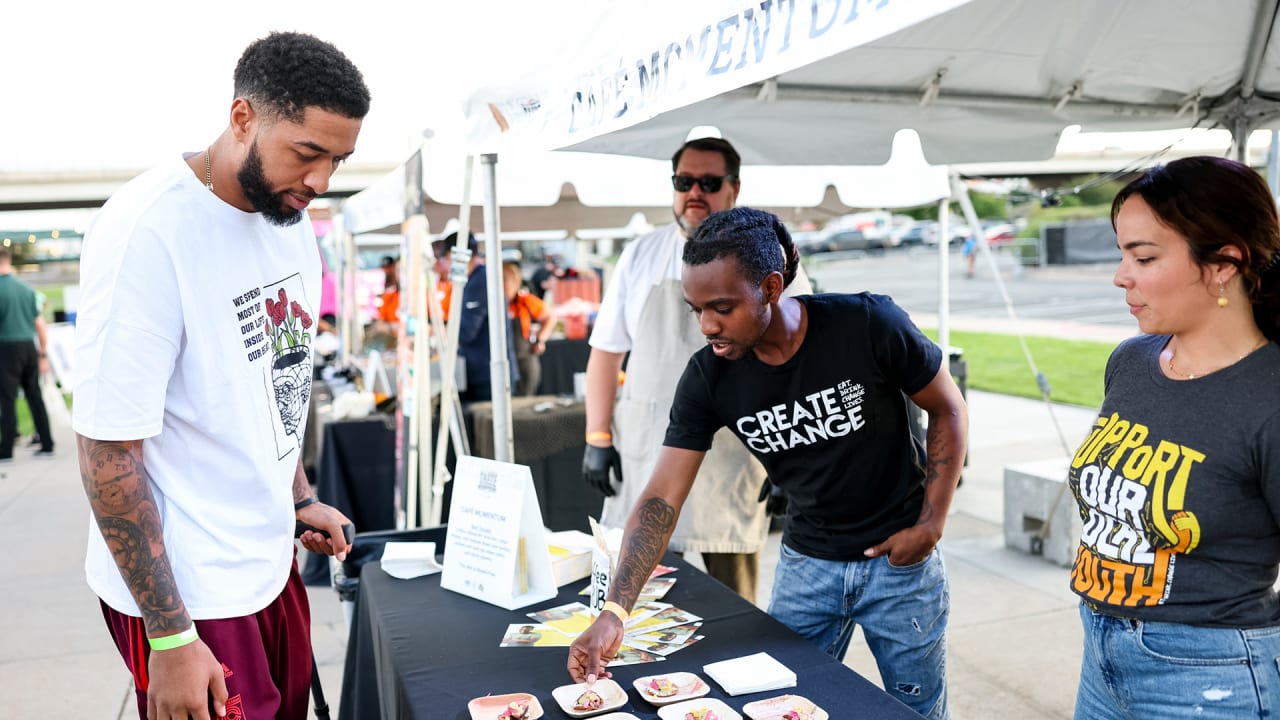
x,y
90,84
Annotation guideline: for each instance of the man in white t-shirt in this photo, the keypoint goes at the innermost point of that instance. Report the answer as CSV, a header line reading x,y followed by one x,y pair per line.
x,y
200,284
643,314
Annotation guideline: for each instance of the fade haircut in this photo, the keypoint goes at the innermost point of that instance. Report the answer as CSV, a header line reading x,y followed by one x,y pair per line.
x,y
285,73
732,161
756,239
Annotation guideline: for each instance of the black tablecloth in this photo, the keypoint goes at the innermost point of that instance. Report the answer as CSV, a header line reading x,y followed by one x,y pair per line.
x,y
417,651
562,359
550,441
357,475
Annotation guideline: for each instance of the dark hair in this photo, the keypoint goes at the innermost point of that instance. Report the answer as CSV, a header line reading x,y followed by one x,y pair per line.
x,y
388,261
732,161
5,254
285,73
756,239
1214,202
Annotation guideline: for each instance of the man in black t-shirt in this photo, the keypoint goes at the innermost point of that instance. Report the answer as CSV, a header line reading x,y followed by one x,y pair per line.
x,y
813,386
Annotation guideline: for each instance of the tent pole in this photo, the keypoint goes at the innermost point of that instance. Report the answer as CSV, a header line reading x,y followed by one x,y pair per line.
x,y
1273,164
448,351
499,368
415,386
340,276
1240,130
944,281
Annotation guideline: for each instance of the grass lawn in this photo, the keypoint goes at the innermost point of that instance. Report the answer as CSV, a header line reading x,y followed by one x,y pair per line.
x,y
997,364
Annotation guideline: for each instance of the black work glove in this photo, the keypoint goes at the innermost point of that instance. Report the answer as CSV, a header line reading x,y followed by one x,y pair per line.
x,y
596,464
775,501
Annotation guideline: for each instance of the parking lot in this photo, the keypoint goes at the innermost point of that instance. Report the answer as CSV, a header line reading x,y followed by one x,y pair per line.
x,y
1077,293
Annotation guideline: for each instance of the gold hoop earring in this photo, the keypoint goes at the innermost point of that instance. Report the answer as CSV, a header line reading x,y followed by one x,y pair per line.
x,y
1222,295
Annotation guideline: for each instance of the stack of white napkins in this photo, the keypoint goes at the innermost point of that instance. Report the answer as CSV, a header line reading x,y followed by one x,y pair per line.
x,y
750,673
407,560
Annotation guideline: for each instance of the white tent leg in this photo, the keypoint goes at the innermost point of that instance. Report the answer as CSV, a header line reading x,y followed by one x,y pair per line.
x,y
416,385
944,281
499,368
448,351
1273,164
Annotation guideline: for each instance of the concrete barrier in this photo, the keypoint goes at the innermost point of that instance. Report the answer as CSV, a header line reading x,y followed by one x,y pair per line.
x,y
1030,491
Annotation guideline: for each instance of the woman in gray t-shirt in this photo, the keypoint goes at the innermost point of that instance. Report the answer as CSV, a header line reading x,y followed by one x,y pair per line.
x,y
1178,484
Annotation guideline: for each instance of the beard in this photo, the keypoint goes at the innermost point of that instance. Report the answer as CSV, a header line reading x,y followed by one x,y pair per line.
x,y
257,190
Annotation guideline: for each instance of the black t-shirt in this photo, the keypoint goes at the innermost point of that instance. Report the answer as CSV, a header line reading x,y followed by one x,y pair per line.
x,y
830,425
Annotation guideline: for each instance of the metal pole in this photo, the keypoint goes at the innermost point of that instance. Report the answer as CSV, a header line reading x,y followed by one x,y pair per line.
x,y
1273,164
352,334
449,349
944,281
1240,138
416,385
499,368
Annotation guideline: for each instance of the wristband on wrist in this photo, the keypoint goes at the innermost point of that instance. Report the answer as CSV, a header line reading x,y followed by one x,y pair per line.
x,y
169,642
616,609
592,436
303,503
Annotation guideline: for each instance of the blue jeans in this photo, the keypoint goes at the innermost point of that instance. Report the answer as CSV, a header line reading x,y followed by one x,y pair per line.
x,y
903,612
1133,669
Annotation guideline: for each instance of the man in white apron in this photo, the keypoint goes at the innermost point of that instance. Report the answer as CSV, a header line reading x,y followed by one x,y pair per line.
x,y
644,313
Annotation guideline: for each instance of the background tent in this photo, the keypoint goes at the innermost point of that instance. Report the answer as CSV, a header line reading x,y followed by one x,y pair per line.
x,y
977,81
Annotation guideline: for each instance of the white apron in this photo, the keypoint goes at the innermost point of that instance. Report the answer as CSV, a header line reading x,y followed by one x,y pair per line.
x,y
722,514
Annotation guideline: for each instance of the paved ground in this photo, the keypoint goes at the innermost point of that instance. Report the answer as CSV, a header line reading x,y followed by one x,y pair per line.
x,y
1013,646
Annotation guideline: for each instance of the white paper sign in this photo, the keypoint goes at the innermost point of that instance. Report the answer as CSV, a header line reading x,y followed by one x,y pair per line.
x,y
496,548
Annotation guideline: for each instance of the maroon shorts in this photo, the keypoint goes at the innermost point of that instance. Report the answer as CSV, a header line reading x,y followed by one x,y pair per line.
x,y
266,657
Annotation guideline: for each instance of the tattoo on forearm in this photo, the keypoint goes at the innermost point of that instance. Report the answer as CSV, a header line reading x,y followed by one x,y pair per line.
x,y
939,457
301,485
643,549
119,492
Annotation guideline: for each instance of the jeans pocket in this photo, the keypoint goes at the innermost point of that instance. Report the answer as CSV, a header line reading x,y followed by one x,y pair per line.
x,y
1179,644
913,566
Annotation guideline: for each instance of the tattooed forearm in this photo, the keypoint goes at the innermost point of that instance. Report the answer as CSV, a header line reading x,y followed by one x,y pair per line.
x,y
944,448
119,492
938,452
301,485
651,525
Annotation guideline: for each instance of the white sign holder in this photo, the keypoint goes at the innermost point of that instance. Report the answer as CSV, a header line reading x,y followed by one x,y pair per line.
x,y
496,548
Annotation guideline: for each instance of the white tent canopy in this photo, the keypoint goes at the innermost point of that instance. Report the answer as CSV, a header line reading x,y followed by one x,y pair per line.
x,y
593,190
980,80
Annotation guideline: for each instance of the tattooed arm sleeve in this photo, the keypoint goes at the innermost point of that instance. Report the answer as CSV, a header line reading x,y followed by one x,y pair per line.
x,y
120,495
652,521
945,445
301,485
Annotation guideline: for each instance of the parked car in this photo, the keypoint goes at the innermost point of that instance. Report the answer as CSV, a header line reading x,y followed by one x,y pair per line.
x,y
922,233
837,241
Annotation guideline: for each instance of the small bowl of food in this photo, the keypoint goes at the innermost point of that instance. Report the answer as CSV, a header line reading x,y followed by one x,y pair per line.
x,y
580,700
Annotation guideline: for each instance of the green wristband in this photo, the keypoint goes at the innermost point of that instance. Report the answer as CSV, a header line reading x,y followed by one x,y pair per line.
x,y
169,642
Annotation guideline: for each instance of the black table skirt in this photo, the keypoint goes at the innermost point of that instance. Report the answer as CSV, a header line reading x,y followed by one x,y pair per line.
x,y
562,359
356,475
417,651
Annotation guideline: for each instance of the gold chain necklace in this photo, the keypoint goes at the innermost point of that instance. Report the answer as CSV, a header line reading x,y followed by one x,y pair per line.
x,y
1192,376
208,170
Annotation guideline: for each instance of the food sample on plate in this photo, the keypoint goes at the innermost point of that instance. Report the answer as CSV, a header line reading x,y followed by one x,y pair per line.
x,y
589,700
662,687
701,714
515,711
784,707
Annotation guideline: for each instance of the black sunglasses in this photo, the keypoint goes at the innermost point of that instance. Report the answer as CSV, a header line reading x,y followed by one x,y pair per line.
x,y
709,183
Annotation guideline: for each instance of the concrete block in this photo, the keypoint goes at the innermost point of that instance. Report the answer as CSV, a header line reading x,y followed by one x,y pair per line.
x,y
1030,490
